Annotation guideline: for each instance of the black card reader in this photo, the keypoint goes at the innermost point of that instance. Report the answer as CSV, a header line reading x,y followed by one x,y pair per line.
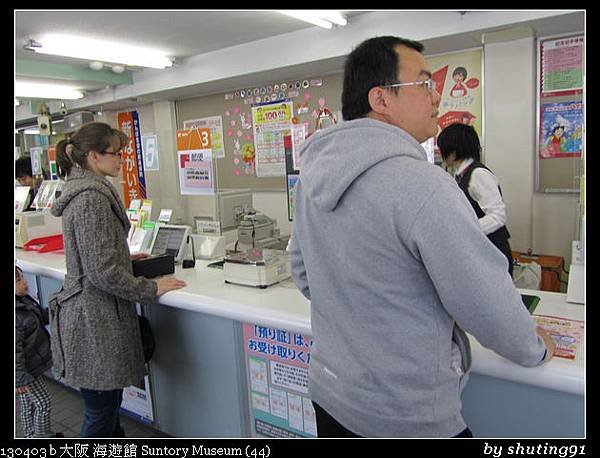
x,y
154,266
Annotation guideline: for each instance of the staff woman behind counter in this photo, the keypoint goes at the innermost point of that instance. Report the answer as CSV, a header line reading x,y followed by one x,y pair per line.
x,y
460,148
96,342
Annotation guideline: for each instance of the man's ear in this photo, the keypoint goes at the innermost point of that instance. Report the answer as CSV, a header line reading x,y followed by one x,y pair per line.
x,y
378,100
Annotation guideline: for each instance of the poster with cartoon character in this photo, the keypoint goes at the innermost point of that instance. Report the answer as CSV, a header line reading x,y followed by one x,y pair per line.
x,y
562,129
457,78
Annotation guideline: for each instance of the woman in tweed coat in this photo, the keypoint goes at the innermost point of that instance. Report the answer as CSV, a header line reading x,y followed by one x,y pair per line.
x,y
95,336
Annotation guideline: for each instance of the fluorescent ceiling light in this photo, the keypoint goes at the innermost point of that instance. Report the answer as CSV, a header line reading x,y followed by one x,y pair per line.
x,y
100,50
322,18
46,91
333,16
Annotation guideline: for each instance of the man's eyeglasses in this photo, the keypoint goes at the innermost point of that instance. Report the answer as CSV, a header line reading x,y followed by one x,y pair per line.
x,y
115,153
428,83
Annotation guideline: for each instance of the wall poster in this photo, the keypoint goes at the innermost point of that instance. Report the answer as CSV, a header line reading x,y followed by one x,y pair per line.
x,y
561,77
215,124
271,122
277,373
458,81
195,162
560,123
134,181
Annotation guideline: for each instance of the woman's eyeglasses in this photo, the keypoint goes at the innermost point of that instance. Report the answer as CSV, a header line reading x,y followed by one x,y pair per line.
x,y
114,153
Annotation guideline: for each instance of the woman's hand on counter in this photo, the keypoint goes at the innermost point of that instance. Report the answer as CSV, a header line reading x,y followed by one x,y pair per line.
x,y
166,284
135,257
550,347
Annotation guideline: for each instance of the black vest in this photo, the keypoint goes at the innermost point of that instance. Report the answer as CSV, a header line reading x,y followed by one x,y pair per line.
x,y
499,236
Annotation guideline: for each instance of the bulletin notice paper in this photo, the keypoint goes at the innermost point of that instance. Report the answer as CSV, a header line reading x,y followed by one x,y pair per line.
x,y
565,333
271,123
195,161
215,124
277,373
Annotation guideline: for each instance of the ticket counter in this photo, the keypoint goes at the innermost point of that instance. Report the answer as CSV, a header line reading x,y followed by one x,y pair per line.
x,y
199,371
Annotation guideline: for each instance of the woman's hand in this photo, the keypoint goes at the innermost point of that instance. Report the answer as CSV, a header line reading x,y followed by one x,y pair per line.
x,y
22,389
135,257
166,284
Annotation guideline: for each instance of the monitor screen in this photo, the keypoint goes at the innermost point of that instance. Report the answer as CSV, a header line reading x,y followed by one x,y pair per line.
x,y
168,240
232,205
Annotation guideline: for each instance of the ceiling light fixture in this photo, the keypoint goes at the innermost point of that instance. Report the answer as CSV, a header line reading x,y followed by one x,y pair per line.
x,y
322,18
99,50
46,91
95,65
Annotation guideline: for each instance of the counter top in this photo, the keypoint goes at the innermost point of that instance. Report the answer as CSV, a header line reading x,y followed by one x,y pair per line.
x,y
283,306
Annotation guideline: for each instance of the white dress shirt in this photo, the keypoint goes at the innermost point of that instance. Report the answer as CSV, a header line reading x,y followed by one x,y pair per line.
x,y
483,188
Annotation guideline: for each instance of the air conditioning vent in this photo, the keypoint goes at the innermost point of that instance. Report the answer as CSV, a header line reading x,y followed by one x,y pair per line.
x,y
76,120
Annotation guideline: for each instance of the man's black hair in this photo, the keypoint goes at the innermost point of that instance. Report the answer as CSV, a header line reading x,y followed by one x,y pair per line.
x,y
23,167
374,62
460,139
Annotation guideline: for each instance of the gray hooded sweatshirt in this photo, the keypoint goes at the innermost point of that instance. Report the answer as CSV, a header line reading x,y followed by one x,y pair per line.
x,y
391,255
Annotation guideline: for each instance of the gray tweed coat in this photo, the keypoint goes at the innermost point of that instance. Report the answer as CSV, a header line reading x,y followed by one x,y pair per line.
x,y
95,335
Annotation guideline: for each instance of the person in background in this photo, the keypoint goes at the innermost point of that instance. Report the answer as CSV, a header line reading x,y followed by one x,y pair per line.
x,y
32,359
95,334
394,262
460,149
24,175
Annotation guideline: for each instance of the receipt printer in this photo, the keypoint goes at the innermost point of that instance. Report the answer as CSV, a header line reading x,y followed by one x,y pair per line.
x,y
154,266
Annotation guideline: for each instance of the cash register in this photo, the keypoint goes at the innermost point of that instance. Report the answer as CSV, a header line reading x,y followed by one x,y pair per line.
x,y
259,267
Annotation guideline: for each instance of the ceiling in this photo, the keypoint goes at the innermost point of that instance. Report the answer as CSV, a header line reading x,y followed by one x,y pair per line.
x,y
182,34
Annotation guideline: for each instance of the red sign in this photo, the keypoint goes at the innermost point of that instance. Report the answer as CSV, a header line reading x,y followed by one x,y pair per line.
x,y
472,83
452,117
132,187
439,77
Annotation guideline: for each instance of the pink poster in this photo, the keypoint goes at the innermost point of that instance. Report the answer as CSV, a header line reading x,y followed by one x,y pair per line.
x,y
277,373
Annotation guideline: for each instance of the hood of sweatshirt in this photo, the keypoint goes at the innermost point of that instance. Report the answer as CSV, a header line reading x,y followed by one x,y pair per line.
x,y
80,180
349,148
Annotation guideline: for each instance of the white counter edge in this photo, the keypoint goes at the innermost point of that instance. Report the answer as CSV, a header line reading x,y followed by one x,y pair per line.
x,y
485,362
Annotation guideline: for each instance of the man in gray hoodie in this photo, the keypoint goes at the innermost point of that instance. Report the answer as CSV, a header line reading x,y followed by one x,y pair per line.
x,y
390,253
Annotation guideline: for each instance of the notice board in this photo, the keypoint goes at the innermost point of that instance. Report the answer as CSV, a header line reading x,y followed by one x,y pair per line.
x,y
234,162
560,115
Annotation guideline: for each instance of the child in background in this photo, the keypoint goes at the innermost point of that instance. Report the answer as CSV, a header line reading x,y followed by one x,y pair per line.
x,y
33,358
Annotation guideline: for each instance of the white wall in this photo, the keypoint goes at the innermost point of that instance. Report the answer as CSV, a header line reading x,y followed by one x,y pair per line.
x,y
546,223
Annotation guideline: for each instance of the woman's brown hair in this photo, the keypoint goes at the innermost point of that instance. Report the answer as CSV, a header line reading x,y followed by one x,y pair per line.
x,y
94,136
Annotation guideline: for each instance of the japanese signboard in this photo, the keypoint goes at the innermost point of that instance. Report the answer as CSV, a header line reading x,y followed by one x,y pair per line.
x,y
277,371
271,123
194,149
134,181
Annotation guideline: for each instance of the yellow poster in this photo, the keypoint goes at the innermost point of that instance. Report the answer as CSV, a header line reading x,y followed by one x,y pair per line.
x,y
458,78
271,124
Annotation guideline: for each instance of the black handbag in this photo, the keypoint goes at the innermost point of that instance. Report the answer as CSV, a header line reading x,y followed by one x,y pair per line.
x,y
148,342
